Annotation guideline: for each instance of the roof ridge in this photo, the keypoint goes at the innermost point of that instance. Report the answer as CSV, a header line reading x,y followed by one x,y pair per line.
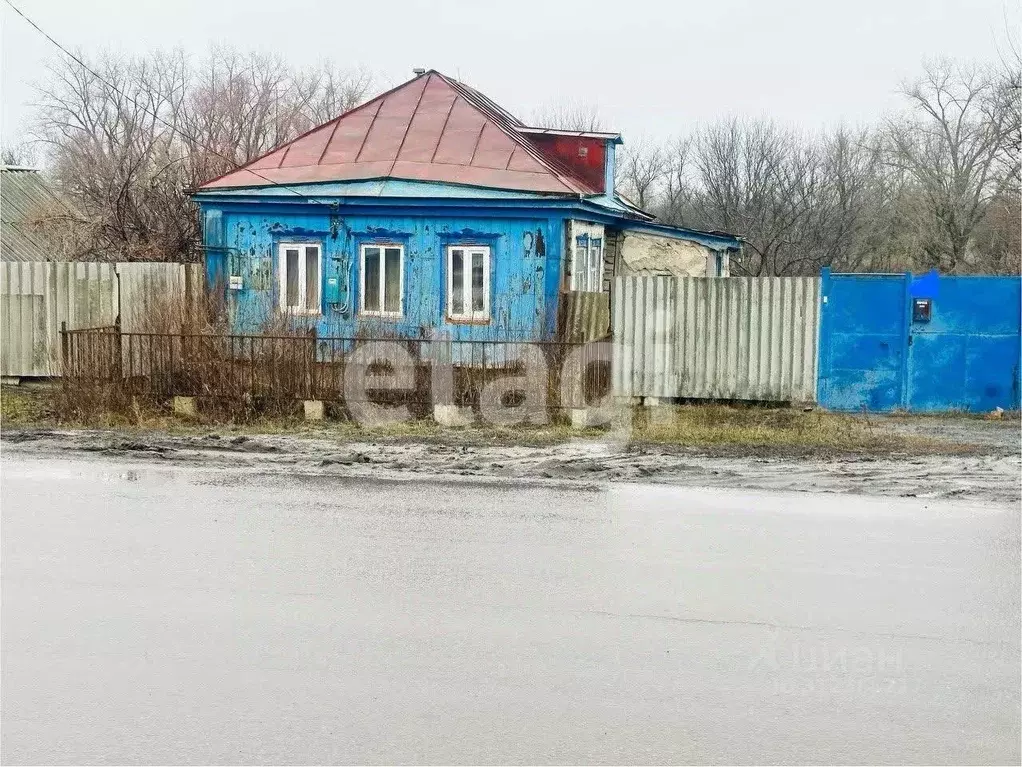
x,y
500,115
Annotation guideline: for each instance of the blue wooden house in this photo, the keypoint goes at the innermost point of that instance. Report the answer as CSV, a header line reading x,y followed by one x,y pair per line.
x,y
431,209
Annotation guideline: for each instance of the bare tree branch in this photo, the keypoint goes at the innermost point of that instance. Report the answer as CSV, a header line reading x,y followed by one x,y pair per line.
x,y
125,136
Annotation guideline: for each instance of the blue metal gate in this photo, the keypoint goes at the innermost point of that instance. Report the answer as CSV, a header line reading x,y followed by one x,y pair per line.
x,y
932,343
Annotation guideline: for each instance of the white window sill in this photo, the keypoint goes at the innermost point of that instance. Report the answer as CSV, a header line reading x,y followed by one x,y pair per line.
x,y
468,319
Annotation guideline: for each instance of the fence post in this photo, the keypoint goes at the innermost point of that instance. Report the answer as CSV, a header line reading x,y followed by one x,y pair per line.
x,y
64,347
118,366
310,377
170,375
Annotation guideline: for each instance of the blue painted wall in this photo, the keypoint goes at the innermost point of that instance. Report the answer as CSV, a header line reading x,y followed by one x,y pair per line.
x,y
526,250
874,356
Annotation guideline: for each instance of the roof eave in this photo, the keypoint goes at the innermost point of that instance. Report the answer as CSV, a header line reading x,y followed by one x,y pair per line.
x,y
604,135
712,240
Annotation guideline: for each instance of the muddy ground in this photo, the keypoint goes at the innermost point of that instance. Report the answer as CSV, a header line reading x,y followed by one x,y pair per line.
x,y
980,463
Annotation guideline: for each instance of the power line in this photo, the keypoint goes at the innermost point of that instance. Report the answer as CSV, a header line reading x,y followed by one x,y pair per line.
x,y
148,111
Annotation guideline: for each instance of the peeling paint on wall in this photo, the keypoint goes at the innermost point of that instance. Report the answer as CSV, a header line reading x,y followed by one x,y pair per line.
x,y
652,255
522,300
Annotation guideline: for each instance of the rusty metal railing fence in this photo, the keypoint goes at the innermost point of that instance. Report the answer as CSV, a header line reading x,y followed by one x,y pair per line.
x,y
418,373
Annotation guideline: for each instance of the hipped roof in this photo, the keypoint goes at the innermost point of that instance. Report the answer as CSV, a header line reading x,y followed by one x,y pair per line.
x,y
431,128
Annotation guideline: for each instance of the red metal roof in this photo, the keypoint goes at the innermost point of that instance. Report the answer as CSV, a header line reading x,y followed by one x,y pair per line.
x,y
431,128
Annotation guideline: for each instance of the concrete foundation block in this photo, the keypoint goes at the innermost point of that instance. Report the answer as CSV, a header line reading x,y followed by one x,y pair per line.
x,y
453,415
584,418
185,406
314,409
592,417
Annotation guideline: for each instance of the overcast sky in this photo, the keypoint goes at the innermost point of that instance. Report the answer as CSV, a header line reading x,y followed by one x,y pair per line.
x,y
654,67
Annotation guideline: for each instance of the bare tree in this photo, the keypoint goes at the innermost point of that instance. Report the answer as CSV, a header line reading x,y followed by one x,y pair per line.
x,y
800,201
676,197
240,106
755,179
938,187
957,144
22,154
126,136
851,221
105,128
642,169
569,115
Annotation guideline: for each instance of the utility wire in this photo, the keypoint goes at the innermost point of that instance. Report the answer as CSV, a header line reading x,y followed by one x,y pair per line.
x,y
148,111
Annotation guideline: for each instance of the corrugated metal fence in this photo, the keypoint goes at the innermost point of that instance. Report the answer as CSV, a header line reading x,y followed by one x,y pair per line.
x,y
36,297
644,319
143,285
740,338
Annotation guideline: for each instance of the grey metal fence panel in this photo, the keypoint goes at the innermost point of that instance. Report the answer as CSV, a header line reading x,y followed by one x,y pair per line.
x,y
154,293
741,338
37,297
644,325
748,338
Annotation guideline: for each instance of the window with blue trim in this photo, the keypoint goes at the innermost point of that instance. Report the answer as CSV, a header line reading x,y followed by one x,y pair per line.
x,y
587,265
299,266
382,280
468,283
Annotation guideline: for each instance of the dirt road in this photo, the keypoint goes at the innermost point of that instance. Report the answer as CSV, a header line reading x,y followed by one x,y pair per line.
x,y
981,464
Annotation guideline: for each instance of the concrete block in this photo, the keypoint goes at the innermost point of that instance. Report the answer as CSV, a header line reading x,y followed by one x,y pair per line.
x,y
453,415
314,409
589,417
185,406
580,417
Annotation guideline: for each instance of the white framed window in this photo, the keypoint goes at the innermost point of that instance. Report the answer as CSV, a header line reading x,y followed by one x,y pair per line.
x,y
468,283
300,270
587,265
382,280
595,264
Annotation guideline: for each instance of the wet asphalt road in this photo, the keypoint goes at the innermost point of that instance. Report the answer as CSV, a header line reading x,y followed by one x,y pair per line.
x,y
193,616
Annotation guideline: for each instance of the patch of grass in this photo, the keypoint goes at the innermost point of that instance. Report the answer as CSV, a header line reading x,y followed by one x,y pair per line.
x,y
714,425
51,405
22,406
